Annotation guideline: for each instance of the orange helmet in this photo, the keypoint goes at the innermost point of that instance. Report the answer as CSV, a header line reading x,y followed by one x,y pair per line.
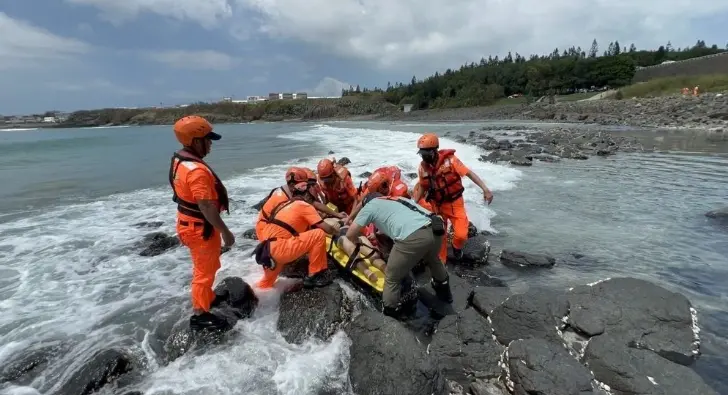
x,y
296,175
188,128
311,176
325,168
428,141
377,182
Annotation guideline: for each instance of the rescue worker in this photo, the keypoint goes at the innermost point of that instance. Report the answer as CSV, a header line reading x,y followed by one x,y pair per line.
x,y
440,183
413,230
200,198
380,182
295,175
337,185
289,228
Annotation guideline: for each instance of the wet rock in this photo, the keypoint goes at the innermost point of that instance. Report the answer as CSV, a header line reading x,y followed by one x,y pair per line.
x,y
101,369
492,157
366,174
22,368
537,366
489,144
343,161
475,251
385,357
235,300
638,313
258,206
488,387
536,313
157,243
331,152
411,176
505,144
486,298
250,234
150,224
465,349
459,139
318,312
546,158
522,259
719,214
628,370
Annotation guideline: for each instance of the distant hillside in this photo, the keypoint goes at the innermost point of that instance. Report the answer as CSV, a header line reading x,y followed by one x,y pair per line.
x,y
227,112
704,65
558,73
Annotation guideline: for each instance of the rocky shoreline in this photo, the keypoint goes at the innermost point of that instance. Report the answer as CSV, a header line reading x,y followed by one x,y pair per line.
x,y
707,111
615,336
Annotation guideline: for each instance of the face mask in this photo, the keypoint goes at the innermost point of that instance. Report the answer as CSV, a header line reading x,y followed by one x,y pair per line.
x,y
428,156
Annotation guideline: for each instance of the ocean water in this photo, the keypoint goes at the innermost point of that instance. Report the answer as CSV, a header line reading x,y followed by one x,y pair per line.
x,y
71,273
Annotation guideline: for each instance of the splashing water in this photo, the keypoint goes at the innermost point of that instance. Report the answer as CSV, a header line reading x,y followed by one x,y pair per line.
x,y
72,275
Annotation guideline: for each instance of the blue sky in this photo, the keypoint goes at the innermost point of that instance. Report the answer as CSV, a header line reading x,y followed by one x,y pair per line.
x,y
81,54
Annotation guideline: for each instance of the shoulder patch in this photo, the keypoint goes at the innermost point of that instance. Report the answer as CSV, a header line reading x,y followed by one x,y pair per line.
x,y
190,165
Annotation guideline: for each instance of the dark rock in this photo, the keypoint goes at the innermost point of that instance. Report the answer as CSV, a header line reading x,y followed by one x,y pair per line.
x,y
158,243
250,234
720,214
505,144
489,144
258,206
488,387
546,158
331,152
411,176
628,370
22,368
537,366
385,358
492,157
475,251
465,349
343,161
522,259
638,313
150,224
101,369
318,312
366,174
486,299
460,139
235,300
536,313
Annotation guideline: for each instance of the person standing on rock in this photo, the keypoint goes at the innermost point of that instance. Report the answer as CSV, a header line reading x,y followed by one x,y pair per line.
x,y
417,235
440,184
201,197
288,229
337,185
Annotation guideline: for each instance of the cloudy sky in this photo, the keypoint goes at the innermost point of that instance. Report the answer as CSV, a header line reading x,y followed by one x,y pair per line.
x,y
76,54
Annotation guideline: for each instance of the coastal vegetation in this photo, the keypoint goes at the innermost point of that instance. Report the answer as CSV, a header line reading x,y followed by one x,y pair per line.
x,y
561,72
668,85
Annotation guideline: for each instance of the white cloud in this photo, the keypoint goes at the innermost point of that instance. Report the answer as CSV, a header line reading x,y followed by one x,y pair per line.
x,y
439,33
23,45
194,60
94,85
204,12
328,87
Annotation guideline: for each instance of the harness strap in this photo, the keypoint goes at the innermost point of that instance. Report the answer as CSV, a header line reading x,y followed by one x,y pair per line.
x,y
273,220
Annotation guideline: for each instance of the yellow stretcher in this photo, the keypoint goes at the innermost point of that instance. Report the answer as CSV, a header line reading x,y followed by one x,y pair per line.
x,y
358,267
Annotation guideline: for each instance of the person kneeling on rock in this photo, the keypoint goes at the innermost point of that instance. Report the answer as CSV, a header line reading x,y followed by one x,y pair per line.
x,y
285,236
417,235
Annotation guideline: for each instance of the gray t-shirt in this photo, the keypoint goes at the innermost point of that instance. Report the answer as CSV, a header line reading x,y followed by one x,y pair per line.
x,y
392,218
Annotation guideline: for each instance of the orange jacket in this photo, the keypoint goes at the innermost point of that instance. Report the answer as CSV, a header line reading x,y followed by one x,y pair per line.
x,y
342,193
443,183
192,179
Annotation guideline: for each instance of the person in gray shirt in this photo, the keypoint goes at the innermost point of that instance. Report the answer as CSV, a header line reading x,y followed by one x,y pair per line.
x,y
411,227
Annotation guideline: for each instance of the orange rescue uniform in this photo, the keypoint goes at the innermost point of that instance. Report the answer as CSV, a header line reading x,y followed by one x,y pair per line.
x,y
193,180
443,191
393,175
342,193
286,224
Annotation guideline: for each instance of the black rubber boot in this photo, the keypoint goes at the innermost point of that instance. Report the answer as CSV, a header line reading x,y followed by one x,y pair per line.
x,y
442,290
394,312
320,279
208,321
457,253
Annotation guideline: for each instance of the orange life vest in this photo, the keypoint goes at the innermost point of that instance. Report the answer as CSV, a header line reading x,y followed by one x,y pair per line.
x,y
440,182
271,218
338,193
191,208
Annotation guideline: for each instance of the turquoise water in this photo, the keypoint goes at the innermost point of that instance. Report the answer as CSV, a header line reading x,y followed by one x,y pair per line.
x,y
68,247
